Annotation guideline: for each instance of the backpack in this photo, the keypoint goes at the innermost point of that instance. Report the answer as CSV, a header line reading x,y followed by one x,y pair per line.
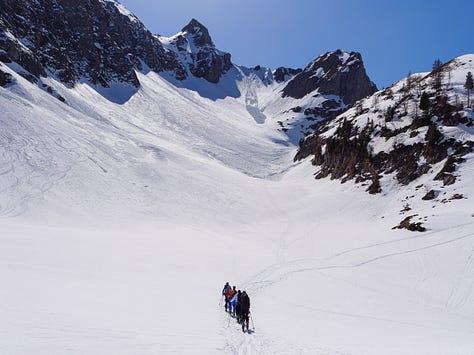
x,y
229,294
244,301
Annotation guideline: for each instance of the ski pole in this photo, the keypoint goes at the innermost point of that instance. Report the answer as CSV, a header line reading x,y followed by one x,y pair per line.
x,y
220,300
251,318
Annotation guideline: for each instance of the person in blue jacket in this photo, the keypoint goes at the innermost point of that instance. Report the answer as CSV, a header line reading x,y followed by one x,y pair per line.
x,y
233,301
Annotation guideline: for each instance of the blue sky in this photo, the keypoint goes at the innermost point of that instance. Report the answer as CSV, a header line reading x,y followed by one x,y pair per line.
x,y
393,37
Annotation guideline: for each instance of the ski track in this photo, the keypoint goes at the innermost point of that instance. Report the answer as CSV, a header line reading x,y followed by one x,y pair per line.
x,y
461,292
463,286
378,319
280,271
256,342
30,168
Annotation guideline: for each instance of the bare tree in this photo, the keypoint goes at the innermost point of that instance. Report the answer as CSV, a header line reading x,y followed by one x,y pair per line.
x,y
410,82
418,85
437,75
448,84
375,102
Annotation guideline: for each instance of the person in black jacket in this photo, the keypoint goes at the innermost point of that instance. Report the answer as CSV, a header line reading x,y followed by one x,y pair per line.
x,y
244,301
238,311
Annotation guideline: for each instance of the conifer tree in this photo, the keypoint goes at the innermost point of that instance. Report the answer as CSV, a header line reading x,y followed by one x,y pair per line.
x,y
424,101
433,135
437,64
469,85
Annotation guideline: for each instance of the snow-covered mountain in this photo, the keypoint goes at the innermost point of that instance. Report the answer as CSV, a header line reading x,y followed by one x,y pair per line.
x,y
138,173
103,44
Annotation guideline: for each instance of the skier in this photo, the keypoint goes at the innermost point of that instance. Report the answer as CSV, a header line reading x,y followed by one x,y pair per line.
x,y
245,309
238,307
228,296
224,291
233,301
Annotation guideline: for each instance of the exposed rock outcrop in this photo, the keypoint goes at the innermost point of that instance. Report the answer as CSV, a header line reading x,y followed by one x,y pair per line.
x,y
200,54
5,78
430,195
411,226
282,74
335,73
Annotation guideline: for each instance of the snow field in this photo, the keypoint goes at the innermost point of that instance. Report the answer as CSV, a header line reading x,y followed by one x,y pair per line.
x,y
121,223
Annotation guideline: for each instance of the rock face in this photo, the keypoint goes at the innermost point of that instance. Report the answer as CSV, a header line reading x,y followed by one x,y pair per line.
x,y
99,41
282,74
208,62
5,78
335,73
327,87
198,53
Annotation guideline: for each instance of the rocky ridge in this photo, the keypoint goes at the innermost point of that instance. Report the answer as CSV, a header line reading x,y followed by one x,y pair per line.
x,y
98,41
392,135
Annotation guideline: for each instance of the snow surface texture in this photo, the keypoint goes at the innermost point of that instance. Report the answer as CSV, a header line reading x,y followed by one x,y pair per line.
x,y
120,223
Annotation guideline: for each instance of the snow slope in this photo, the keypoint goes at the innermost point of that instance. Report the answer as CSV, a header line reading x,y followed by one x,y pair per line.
x,y
120,223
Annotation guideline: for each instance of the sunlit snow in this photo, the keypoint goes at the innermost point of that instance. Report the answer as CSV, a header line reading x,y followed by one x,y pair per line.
x,y
121,220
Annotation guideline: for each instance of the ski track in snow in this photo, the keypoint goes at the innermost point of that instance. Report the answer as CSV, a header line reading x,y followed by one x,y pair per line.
x,y
39,173
281,270
463,287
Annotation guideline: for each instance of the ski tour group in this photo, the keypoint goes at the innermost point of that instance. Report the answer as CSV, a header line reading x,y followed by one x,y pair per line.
x,y
237,303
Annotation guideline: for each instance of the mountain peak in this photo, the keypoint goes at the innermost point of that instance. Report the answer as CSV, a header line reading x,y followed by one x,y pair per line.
x,y
199,32
193,25
203,58
334,73
339,58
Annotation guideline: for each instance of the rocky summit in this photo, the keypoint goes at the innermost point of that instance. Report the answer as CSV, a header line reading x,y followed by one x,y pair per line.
x,y
197,52
335,73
